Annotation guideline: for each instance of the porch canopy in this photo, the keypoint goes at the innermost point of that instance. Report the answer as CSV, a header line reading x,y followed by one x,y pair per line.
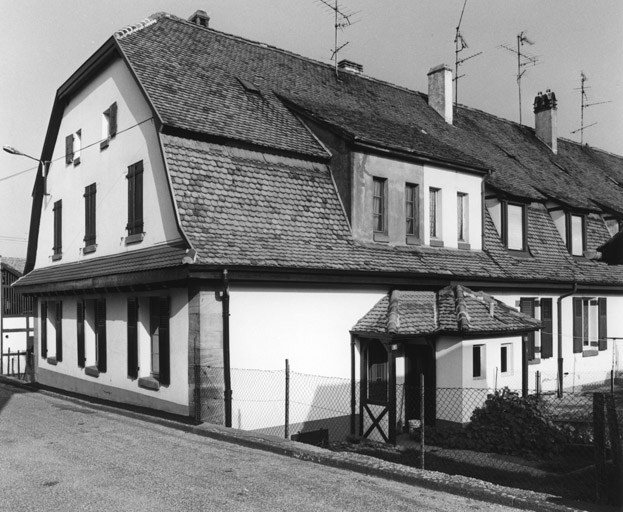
x,y
452,310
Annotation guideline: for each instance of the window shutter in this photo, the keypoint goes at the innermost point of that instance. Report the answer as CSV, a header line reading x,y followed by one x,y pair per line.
x,y
89,215
44,330
527,307
603,323
577,325
100,324
164,348
133,338
58,227
69,149
80,334
112,126
58,324
138,194
547,336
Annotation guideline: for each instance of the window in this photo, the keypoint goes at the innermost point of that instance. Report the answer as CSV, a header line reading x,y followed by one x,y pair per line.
x,y
379,208
135,203
158,362
461,217
109,125
572,229
412,209
511,221
73,144
91,328
58,230
589,325
506,354
528,307
52,323
378,372
478,361
435,212
89,218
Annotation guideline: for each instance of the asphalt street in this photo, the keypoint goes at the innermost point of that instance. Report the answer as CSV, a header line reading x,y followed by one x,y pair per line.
x,y
61,455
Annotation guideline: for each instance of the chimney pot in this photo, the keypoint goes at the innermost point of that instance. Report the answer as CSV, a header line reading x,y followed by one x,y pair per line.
x,y
200,18
546,119
440,91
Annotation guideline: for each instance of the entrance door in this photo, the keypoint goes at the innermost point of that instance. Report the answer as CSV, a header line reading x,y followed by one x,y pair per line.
x,y
420,359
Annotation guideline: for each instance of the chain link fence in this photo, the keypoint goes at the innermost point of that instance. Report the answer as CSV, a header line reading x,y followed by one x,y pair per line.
x,y
540,442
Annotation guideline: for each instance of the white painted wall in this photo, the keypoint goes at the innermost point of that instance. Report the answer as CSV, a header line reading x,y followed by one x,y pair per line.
x,y
116,342
108,169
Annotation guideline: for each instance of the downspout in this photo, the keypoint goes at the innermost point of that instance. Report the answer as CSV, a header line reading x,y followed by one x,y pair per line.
x,y
223,297
559,312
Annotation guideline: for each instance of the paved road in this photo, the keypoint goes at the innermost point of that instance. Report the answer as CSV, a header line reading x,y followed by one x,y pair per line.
x,y
61,455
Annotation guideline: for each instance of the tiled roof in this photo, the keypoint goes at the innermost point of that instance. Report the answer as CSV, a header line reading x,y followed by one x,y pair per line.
x,y
16,264
192,75
136,261
454,309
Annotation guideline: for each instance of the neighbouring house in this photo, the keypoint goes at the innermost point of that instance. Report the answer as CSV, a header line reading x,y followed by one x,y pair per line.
x,y
214,202
17,328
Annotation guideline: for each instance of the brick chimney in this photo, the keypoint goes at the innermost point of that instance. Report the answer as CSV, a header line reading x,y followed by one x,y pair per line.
x,y
200,18
546,119
440,91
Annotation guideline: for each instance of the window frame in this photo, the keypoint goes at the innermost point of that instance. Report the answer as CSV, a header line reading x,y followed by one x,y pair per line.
x,y
506,226
435,226
413,203
462,220
478,362
569,216
379,213
590,320
506,358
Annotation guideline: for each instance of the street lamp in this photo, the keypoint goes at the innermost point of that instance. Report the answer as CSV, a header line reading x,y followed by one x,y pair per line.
x,y
45,165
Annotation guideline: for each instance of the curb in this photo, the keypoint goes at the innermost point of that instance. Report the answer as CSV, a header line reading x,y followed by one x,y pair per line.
x,y
364,464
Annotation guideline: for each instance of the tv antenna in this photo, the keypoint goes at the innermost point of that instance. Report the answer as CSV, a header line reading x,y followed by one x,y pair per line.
x,y
342,21
585,105
460,44
523,59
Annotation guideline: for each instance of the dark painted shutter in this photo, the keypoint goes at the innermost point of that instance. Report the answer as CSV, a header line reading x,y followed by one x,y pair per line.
x,y
58,227
577,325
138,198
44,330
58,324
527,306
89,215
603,323
100,324
80,333
133,338
164,348
69,149
547,336
112,120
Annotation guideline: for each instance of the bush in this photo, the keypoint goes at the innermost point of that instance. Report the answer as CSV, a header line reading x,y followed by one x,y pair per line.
x,y
509,424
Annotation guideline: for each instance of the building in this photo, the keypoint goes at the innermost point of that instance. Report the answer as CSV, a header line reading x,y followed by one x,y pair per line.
x,y
244,205
16,320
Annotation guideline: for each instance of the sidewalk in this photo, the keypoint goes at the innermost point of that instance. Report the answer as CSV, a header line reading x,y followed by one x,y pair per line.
x,y
458,485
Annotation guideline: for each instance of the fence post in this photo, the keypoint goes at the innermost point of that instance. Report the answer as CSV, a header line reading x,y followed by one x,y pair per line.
x,y
599,435
537,384
197,393
615,439
19,370
287,419
422,408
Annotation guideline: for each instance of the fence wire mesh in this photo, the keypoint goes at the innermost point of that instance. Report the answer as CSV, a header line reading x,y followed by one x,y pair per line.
x,y
542,442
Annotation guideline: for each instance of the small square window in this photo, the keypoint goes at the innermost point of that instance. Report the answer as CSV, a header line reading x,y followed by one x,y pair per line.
x,y
478,361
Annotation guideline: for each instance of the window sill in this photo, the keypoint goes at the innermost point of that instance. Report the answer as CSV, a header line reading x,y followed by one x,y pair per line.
x,y
436,243
52,361
134,239
413,240
76,161
92,371
590,353
89,249
464,246
519,254
380,237
104,144
536,360
56,257
148,383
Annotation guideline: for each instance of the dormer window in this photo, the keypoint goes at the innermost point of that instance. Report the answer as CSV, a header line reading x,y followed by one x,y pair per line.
x,y
572,229
379,209
435,215
412,217
511,221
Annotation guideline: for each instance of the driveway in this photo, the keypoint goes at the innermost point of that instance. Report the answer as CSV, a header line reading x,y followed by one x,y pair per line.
x,y
57,454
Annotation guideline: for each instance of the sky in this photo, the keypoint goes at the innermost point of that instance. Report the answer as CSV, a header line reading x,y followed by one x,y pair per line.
x,y
44,41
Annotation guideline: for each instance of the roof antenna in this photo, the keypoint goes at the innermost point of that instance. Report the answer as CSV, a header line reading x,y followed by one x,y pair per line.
x,y
460,44
342,20
585,104
523,59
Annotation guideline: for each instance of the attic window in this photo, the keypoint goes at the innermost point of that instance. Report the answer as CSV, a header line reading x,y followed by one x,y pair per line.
x,y
249,86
